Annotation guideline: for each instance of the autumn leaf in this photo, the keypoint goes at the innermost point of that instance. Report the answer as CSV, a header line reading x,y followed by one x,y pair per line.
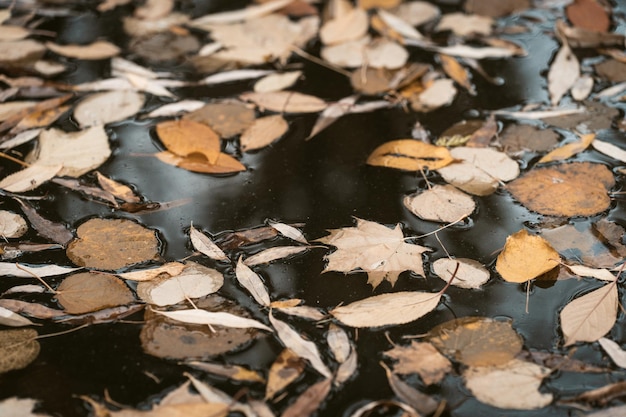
x,y
94,51
86,292
284,370
186,137
440,203
286,101
525,257
252,282
12,225
467,273
108,107
224,163
420,358
18,348
219,318
563,73
203,244
375,249
227,118
263,132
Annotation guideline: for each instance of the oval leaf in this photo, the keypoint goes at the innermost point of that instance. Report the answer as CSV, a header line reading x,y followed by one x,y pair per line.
x,y
525,257
410,155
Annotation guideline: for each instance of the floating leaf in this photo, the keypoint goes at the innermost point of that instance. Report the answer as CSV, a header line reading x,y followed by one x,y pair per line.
x,y
457,72
94,51
19,407
201,409
525,257
277,82
440,203
29,271
588,14
86,292
234,372
387,309
186,137
466,24
410,155
310,400
286,101
112,244
18,348
203,244
469,273
588,318
338,342
615,352
585,271
563,73
56,232
224,164
439,93
287,367
348,26
11,319
263,132
219,318
414,398
609,149
108,107
29,178
252,282
289,231
272,254
420,358
227,118
119,190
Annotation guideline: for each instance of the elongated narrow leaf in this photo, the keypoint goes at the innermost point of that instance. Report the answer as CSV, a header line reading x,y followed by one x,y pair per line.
x,y
301,347
563,73
387,309
310,400
218,318
289,231
251,281
339,342
568,150
203,244
29,178
11,319
23,271
250,12
410,155
273,254
614,351
286,101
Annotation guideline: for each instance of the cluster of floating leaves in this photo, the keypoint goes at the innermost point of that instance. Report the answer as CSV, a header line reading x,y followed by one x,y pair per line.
x,y
118,270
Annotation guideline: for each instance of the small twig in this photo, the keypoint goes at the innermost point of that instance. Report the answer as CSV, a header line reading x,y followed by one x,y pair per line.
x,y
45,284
17,161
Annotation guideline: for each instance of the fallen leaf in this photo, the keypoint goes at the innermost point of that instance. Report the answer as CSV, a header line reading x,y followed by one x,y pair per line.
x,y
234,372
305,312
440,203
616,411
591,316
224,163
582,88
496,8
347,368
514,385
439,93
213,395
348,26
173,109
399,25
247,13
286,101
194,281
277,81
219,318
112,244
522,137
417,400
477,341
19,407
471,52
289,231
615,352
465,24
287,367
20,52
575,189
525,257
581,244
585,271
11,319
310,400
177,410
609,149
18,348
94,51
469,273
56,232
117,189
169,269
203,244
588,14
568,150
420,358
601,396
563,73
29,271
227,118
338,342
416,13
410,155
457,72
595,116
252,282
387,309
186,137
40,118
384,53
29,178
305,349
272,254
108,107
263,132
86,292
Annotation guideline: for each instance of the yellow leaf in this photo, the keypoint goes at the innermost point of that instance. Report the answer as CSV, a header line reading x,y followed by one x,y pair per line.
x,y
569,150
185,137
457,72
525,257
410,155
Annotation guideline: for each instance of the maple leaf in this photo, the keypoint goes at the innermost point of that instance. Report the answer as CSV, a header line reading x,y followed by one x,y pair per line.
x,y
375,249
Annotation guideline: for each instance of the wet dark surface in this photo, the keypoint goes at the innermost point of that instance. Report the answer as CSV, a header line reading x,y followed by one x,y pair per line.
x,y
322,183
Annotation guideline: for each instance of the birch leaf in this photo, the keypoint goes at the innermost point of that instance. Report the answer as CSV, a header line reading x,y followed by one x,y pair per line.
x,y
251,281
171,269
28,271
277,82
383,53
286,101
287,367
86,292
263,132
470,273
610,150
568,150
108,107
234,75
11,319
185,137
18,348
588,318
563,73
421,358
306,349
332,113
410,155
203,244
218,318
525,257
387,309
310,400
289,231
29,178
272,254
441,203
93,51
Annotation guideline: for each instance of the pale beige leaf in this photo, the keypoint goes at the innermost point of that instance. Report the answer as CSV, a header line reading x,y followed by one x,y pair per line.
x,y
78,152
194,281
305,349
19,407
252,282
235,75
332,113
609,149
347,368
21,50
170,268
384,53
470,273
13,33
416,13
585,271
219,318
563,73
286,101
29,178
277,82
421,358
440,93
440,203
615,352
539,114
93,51
425,404
338,342
117,189
177,410
400,25
582,87
568,150
239,15
11,319
514,385
466,24
466,51
263,132
347,54
525,257
203,244
108,107
272,254
172,109
346,27
20,139
588,318
24,271
289,231
49,68
387,309
305,312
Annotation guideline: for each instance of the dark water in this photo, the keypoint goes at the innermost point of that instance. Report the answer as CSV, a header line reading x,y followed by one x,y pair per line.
x,y
322,183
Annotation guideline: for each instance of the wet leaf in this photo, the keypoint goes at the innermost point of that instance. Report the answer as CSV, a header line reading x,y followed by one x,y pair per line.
x,y
457,72
219,318
277,82
615,352
522,137
234,372
86,292
247,13
585,271
20,52
414,398
576,189
11,319
56,232
169,269
466,24
581,244
272,254
27,271
194,281
582,87
252,282
439,93
348,26
514,385
591,316
310,400
224,164
338,342
588,14
495,8
387,309
108,107
563,73
410,155
525,257
470,273
29,178
379,251
40,118
305,312
18,348
117,189
287,367
203,244
93,51
173,109
477,341
19,407
306,349
440,203
185,137
177,410
398,24
289,231
420,358
112,244
227,118
286,101
609,149
12,225
263,132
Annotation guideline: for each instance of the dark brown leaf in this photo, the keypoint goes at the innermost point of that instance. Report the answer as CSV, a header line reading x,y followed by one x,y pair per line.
x,y
18,348
56,232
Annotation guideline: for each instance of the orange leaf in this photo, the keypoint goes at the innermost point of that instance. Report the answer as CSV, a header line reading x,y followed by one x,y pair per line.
x,y
410,155
224,164
525,257
569,150
185,137
588,14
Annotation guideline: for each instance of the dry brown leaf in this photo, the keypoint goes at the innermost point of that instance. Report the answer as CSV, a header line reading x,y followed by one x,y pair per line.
x,y
387,309
227,118
252,282
576,189
224,164
203,244
417,400
263,132
588,14
495,8
514,385
457,72
286,101
310,400
469,273
466,24
29,178
440,203
108,107
93,51
477,341
563,73
86,292
410,155
591,316
568,150
284,370
112,244
272,254
420,358
12,225
186,137
525,257
18,348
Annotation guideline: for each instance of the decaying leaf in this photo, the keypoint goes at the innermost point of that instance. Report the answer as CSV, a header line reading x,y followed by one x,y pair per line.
x,y
513,385
411,396
286,101
310,400
469,273
457,72
420,358
272,254
263,132
227,118
234,372
588,318
94,51
186,137
477,341
86,292
563,73
53,231
387,309
525,257
287,367
18,348
576,189
440,203
108,107
203,244
177,410
252,282
410,155
520,137
112,244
